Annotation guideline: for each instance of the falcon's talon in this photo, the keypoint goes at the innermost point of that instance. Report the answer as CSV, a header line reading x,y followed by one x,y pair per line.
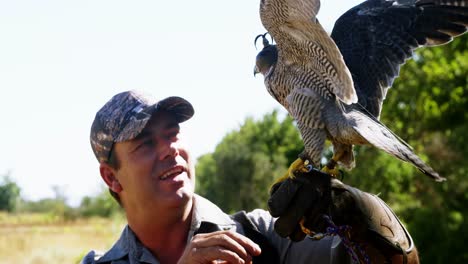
x,y
334,172
342,174
297,165
306,230
318,236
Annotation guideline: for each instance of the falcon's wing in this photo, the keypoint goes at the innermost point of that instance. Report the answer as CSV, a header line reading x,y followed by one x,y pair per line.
x,y
378,36
303,45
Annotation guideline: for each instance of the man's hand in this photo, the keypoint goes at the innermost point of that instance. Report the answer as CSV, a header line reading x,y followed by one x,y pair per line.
x,y
303,203
219,247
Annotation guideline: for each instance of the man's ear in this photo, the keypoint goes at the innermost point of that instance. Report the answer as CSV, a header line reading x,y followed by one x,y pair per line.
x,y
108,175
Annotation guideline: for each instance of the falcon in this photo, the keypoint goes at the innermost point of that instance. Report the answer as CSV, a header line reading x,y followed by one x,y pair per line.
x,y
334,86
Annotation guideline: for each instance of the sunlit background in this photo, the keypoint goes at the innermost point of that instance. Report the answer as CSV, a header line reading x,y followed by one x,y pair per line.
x,y
60,61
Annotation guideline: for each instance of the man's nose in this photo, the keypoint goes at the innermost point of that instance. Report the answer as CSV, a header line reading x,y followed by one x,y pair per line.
x,y
171,149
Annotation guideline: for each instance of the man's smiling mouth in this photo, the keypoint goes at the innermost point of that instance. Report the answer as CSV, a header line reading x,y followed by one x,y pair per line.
x,y
172,172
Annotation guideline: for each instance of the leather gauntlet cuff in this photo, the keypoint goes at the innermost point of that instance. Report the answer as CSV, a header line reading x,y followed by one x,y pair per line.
x,y
372,219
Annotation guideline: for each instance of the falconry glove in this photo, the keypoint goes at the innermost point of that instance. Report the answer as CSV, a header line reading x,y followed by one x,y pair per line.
x,y
315,204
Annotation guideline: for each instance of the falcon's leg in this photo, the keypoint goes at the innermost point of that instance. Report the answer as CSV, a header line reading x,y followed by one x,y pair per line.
x,y
314,140
342,153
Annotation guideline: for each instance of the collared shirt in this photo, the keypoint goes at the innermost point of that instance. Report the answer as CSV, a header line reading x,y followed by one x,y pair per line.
x,y
129,250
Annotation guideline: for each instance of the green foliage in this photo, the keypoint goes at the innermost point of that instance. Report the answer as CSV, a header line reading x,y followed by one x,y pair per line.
x,y
56,208
9,194
100,205
244,165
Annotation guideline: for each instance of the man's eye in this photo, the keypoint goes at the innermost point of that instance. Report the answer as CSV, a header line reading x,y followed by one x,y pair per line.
x,y
146,143
174,134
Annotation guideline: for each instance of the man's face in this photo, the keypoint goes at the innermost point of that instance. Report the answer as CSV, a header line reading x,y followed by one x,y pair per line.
x,y
155,168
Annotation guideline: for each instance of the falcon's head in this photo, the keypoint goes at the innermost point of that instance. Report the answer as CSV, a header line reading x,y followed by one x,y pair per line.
x,y
267,57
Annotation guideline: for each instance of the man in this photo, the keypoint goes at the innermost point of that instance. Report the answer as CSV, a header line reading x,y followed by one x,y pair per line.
x,y
151,174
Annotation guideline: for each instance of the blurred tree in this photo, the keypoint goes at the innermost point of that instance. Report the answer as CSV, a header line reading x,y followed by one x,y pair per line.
x,y
244,165
9,194
56,207
100,205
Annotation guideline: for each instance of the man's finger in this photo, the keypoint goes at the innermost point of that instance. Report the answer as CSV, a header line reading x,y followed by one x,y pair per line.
x,y
251,247
232,241
217,254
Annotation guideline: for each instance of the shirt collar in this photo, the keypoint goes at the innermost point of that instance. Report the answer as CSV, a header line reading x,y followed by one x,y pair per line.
x,y
206,211
120,248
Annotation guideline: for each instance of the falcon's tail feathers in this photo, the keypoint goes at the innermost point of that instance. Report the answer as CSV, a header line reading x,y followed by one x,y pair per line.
x,y
383,138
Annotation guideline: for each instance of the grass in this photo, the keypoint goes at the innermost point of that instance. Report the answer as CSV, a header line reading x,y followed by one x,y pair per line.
x,y
41,238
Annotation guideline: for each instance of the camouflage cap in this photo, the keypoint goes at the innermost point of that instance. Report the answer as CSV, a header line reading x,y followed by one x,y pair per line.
x,y
125,115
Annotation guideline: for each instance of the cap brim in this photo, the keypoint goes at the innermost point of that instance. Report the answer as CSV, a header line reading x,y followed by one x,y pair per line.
x,y
181,108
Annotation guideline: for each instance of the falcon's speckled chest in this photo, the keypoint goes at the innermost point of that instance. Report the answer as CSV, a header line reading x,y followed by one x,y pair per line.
x,y
277,87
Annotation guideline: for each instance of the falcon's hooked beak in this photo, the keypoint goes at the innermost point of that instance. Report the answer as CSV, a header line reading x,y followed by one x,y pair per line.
x,y
256,70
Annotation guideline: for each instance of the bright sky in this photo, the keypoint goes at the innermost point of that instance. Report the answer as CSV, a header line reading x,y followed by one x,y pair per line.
x,y
61,60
